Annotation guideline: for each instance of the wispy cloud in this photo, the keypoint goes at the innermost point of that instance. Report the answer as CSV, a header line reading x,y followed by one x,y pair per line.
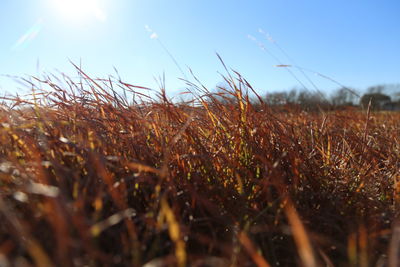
x,y
29,36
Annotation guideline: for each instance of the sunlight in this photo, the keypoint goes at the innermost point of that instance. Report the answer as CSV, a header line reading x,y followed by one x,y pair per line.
x,y
78,10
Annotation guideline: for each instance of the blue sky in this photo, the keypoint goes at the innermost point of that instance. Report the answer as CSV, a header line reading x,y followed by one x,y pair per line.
x,y
354,42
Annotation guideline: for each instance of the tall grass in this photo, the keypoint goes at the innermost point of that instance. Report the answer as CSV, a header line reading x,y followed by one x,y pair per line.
x,y
93,177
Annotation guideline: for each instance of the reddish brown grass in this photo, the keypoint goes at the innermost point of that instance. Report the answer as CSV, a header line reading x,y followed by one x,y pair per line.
x,y
88,179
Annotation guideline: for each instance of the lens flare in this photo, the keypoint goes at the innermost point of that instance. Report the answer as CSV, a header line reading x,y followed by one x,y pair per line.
x,y
28,36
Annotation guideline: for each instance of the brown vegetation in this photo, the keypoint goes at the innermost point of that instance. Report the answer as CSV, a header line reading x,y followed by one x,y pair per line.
x,y
88,179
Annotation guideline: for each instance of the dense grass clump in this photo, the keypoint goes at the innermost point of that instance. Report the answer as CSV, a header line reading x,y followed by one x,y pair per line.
x,y
92,178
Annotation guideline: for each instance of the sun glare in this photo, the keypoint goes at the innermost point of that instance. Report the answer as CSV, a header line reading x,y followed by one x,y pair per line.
x,y
78,10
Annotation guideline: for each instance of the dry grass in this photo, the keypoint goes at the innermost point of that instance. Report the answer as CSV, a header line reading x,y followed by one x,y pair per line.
x,y
88,179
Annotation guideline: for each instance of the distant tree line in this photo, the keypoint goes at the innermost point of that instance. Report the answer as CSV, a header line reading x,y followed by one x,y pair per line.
x,y
381,97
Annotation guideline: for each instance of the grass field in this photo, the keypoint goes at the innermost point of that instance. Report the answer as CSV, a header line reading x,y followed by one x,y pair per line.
x,y
88,178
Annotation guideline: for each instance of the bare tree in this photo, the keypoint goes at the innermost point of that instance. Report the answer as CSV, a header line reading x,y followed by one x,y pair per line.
x,y
343,96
